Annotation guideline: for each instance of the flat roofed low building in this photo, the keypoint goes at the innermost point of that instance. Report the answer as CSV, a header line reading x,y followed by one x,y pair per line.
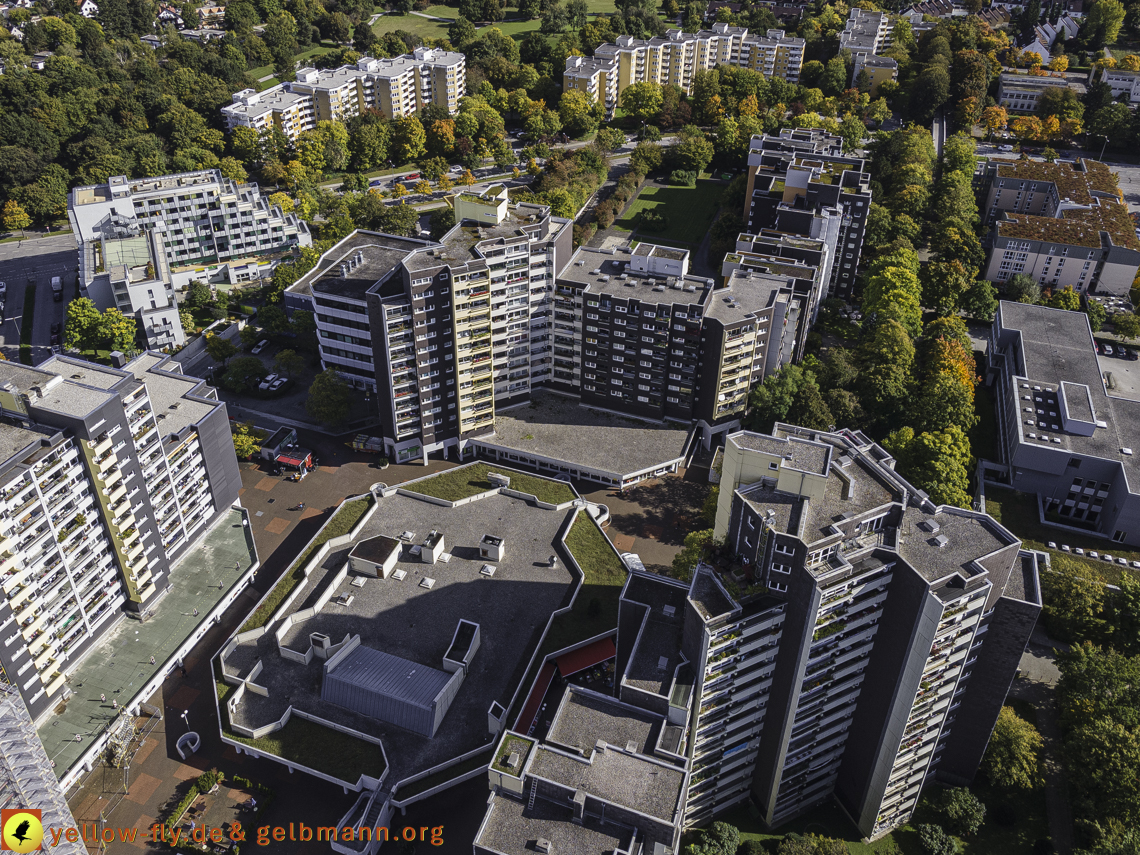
x,y
1063,435
1020,93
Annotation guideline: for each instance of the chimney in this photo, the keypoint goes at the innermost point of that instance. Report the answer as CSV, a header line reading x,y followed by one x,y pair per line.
x,y
344,271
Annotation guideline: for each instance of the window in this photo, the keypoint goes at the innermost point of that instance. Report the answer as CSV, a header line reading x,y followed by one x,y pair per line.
x,y
1074,463
1119,536
774,466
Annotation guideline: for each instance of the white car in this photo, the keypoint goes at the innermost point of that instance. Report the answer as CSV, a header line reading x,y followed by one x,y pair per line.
x,y
267,382
261,345
456,169
277,384
3,289
1005,148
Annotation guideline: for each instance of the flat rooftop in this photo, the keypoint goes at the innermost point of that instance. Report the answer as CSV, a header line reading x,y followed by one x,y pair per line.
x,y
557,428
1058,348
962,538
466,243
584,717
632,781
511,827
707,596
798,453
381,256
14,440
643,287
406,620
118,664
658,652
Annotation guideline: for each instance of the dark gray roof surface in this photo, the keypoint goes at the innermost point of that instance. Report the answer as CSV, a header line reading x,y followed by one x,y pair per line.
x,y
390,675
649,787
510,827
962,536
584,717
375,549
707,596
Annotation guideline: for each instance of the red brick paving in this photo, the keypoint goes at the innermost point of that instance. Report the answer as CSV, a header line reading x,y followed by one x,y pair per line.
x,y
278,525
142,788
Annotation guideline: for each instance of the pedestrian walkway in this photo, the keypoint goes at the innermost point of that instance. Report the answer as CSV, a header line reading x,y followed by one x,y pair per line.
x,y
118,667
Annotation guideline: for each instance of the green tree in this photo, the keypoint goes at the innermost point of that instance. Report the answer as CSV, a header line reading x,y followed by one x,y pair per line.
x,y
959,154
963,810
937,462
694,152
250,335
461,32
980,300
118,330
243,373
579,114
812,844
82,328
330,398
1012,756
1126,621
186,319
610,139
642,100
1102,23
198,294
1126,324
852,130
1023,288
685,561
289,362
720,838
885,382
408,139
232,169
935,841
772,400
245,443
1068,299
1095,310
220,349
943,285
16,219
1074,602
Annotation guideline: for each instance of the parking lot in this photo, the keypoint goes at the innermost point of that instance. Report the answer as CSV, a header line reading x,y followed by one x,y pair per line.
x,y
41,258
1125,375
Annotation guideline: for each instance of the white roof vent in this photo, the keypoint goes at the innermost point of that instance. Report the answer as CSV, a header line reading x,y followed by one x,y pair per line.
x,y
1100,423
669,611
941,541
1127,451
542,845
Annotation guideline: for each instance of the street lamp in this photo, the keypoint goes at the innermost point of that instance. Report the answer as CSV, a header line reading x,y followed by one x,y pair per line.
x,y
185,719
1103,147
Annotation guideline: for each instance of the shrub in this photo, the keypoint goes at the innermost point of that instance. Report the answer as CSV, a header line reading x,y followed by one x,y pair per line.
x,y
683,178
964,810
653,221
935,841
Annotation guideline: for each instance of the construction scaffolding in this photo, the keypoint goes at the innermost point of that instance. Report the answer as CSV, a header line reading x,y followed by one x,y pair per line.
x,y
26,776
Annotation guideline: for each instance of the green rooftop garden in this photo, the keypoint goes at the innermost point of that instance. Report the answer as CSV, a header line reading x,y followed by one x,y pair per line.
x,y
462,482
513,745
340,524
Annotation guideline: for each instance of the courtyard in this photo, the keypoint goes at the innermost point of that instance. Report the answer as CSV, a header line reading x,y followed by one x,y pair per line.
x,y
688,212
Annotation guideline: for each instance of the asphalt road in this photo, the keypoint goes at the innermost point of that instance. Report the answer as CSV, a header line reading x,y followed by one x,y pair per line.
x,y
41,258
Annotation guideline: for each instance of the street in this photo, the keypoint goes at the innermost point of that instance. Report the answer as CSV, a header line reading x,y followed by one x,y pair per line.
x,y
41,258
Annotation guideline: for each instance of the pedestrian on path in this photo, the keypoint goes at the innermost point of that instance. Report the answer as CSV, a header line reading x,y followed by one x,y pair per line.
x,y
195,613
152,660
103,698
114,705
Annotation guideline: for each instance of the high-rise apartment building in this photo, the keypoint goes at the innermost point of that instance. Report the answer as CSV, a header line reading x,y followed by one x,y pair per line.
x,y
800,182
213,229
442,332
863,649
107,475
26,776
674,58
398,87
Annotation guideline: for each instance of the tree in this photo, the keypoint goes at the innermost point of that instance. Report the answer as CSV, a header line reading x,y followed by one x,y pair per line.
x,y
812,844
408,139
980,300
686,560
964,810
289,362
1068,299
579,114
243,372
935,841
198,294
694,152
1073,603
938,463
81,329
1011,759
610,139
642,100
720,838
186,319
1023,288
250,335
330,398
118,330
245,444
1102,23
16,219
1096,312
994,119
943,284
220,349
1127,325
887,356
233,169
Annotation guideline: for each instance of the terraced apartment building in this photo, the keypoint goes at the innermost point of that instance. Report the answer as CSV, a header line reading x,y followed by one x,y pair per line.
x,y
862,648
397,86
674,58
108,475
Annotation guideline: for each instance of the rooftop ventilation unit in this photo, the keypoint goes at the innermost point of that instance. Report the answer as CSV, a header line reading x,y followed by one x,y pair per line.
x,y
670,611
605,278
662,663
1127,451
691,289
596,271
941,541
931,526
542,845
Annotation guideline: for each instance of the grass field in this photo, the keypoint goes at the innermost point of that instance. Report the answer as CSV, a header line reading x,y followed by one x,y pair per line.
x,y
455,484
689,211
1018,512
304,56
421,27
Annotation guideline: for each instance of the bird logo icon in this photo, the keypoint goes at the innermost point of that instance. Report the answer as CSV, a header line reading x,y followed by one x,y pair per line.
x,y
23,831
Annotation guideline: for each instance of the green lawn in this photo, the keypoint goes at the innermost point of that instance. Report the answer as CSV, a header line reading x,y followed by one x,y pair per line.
x,y
1018,513
344,757
455,484
303,56
984,435
421,27
340,524
689,211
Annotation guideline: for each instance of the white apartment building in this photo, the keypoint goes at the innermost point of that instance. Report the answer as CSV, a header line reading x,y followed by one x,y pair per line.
x,y
26,776
674,58
214,229
107,475
866,32
399,86
1123,82
1020,93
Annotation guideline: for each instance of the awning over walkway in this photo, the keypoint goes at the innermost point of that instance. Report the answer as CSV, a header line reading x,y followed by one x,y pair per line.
x,y
586,657
293,458
530,711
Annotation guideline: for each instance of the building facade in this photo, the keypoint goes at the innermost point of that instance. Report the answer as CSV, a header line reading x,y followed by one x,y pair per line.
x,y
442,332
1122,83
864,649
109,474
674,58
1063,224
1063,436
399,86
801,183
213,229
1019,93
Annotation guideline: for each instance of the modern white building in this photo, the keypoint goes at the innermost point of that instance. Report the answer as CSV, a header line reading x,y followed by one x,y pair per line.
x,y
398,86
213,229
107,475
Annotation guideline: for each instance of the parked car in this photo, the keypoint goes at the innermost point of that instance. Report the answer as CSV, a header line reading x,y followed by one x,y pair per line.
x,y
3,290
457,169
415,176
267,382
278,383
260,346
1005,148
1108,350
55,331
